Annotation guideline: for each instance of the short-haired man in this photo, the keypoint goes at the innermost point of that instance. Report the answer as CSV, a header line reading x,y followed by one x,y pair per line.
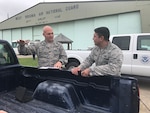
x,y
107,57
49,52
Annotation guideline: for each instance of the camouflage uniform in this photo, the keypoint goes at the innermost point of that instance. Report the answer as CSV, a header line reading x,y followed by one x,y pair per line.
x,y
108,61
48,53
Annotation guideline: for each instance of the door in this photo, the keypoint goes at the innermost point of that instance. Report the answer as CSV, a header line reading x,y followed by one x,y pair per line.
x,y
124,43
141,56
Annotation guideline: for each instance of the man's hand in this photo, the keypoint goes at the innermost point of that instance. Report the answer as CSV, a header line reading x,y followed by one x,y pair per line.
x,y
21,42
86,72
58,65
2,111
75,70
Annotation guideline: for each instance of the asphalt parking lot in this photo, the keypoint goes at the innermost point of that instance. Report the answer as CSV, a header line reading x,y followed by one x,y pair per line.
x,y
144,96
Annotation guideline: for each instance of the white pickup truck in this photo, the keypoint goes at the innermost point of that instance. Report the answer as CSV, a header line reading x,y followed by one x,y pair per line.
x,y
136,50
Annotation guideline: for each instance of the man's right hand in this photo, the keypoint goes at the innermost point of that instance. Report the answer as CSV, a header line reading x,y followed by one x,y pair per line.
x,y
75,70
21,42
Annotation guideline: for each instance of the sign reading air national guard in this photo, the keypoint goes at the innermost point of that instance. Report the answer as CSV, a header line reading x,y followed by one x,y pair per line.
x,y
41,16
44,13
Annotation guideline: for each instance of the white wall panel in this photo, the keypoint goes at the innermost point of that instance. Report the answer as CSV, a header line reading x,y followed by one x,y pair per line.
x,y
7,35
83,33
108,21
38,33
1,35
27,33
129,23
16,34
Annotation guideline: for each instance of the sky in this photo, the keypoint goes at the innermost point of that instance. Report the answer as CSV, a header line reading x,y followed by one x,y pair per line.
x,y
9,8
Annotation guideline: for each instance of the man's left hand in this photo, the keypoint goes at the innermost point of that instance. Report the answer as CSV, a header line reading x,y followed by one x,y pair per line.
x,y
86,72
58,65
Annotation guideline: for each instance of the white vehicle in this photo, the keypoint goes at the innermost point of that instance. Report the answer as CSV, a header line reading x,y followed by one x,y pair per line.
x,y
136,51
14,46
75,57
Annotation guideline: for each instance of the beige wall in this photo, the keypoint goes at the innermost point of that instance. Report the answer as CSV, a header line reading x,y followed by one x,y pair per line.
x,y
47,13
145,18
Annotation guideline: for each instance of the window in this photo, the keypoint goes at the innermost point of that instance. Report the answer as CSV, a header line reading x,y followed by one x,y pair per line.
x,y
143,43
3,55
122,42
6,56
14,44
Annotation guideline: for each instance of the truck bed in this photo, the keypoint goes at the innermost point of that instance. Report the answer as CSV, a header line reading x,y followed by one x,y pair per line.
x,y
56,91
9,103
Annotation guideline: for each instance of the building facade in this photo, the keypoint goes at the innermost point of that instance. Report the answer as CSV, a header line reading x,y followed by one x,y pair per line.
x,y
77,20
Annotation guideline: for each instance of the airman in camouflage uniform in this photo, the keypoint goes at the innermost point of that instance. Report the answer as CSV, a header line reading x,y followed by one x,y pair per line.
x,y
107,57
49,52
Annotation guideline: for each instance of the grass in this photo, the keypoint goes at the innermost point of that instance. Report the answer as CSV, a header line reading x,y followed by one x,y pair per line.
x,y
28,62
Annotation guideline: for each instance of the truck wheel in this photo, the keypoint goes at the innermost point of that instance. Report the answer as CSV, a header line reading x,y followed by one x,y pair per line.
x,y
71,65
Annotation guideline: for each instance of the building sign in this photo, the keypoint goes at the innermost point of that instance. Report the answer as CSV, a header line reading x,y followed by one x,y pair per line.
x,y
44,16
